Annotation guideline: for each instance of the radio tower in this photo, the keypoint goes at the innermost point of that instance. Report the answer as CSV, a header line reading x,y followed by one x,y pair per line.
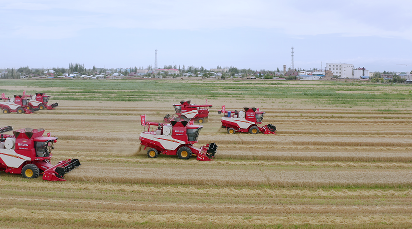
x,y
155,67
293,64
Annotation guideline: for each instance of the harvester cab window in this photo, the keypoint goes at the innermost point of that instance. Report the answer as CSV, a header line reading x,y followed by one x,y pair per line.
x,y
45,99
178,109
24,102
259,117
43,149
192,134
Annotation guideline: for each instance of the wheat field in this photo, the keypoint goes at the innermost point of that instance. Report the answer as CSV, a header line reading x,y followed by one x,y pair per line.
x,y
327,167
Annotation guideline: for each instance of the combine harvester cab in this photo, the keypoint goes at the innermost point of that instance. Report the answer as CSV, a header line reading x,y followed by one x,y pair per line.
x,y
42,102
176,138
190,112
18,105
28,152
245,121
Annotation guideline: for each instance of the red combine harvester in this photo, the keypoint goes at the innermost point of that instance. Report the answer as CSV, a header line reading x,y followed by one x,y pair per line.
x,y
245,121
190,112
42,101
28,153
18,105
176,138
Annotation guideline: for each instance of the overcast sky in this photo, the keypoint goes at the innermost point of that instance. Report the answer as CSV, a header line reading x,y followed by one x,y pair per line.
x,y
256,34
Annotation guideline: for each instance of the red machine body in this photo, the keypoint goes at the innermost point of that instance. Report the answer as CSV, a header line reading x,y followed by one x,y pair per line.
x,y
42,102
176,138
28,152
245,121
19,105
188,112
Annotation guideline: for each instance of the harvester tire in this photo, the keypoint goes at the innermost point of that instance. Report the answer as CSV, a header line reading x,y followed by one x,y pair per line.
x,y
184,153
30,171
254,130
200,120
231,131
41,107
20,110
152,153
5,111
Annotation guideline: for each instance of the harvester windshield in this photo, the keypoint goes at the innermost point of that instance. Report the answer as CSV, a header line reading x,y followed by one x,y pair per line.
x,y
192,134
45,99
178,109
259,117
43,149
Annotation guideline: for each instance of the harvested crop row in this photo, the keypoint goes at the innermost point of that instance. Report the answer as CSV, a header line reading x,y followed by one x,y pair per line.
x,y
382,165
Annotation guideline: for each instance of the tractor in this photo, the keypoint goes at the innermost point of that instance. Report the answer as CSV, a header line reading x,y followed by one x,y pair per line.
x,y
18,105
190,112
28,152
245,121
175,138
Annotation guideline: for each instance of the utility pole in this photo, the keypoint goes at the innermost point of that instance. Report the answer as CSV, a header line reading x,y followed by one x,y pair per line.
x,y
155,67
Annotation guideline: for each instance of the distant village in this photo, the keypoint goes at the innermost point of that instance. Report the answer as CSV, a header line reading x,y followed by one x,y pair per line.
x,y
332,71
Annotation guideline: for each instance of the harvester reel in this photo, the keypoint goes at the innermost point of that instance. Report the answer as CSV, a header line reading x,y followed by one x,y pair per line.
x,y
30,171
271,127
184,153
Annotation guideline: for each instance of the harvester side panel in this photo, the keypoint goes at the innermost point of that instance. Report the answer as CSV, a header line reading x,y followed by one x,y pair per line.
x,y
11,159
190,114
160,141
236,123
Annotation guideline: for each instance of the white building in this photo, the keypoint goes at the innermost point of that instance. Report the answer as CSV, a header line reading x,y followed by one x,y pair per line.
x,y
341,70
360,73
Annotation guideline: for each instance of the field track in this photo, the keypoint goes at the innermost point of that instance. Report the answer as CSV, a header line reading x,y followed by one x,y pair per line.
x,y
326,167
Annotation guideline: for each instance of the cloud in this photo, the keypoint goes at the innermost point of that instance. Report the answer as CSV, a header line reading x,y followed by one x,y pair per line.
x,y
294,17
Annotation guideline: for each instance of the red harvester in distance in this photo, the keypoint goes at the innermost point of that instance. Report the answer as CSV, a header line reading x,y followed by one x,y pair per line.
x,y
42,101
187,111
176,138
28,152
18,105
245,121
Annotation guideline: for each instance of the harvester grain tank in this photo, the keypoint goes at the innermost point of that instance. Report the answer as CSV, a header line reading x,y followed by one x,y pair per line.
x,y
245,121
28,152
176,138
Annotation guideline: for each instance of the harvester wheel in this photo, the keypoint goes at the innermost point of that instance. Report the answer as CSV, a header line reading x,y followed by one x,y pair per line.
x,y
231,131
184,153
254,130
30,171
200,120
20,110
5,111
41,107
152,153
